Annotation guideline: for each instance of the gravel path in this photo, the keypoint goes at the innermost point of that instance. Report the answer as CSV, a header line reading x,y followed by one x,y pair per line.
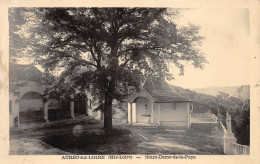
x,y
85,136
200,139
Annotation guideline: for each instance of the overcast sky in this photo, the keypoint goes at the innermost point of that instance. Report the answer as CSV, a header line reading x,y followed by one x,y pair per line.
x,y
226,47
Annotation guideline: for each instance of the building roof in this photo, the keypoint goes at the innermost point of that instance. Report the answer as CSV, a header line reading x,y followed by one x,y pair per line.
x,y
18,72
162,92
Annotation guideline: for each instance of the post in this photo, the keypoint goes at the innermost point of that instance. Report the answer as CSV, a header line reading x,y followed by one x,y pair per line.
x,y
159,113
16,111
133,113
10,106
188,115
152,113
45,111
219,118
99,117
229,138
12,119
72,109
90,112
87,107
129,107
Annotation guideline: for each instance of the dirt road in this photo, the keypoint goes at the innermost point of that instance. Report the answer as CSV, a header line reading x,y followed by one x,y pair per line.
x,y
85,136
200,139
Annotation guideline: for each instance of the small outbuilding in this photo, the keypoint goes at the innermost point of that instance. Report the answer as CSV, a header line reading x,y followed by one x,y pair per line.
x,y
27,85
158,104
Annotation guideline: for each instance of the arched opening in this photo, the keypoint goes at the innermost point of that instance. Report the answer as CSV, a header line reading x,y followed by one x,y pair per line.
x,y
58,110
31,107
80,104
142,106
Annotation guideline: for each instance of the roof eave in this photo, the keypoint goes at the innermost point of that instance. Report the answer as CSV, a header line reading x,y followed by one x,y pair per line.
x,y
180,101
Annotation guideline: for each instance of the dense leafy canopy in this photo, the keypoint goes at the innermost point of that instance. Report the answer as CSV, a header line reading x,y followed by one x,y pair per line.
x,y
240,115
103,50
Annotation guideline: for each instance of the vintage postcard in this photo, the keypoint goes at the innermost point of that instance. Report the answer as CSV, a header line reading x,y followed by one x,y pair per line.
x,y
114,81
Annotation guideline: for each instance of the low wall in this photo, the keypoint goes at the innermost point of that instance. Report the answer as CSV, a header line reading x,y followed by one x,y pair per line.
x,y
222,129
174,124
240,149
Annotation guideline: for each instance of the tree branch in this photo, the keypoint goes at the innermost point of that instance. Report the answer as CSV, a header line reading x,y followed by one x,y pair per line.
x,y
81,60
91,51
99,55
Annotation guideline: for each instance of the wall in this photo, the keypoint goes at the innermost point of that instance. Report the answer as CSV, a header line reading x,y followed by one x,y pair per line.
x,y
143,112
155,113
174,115
13,109
29,105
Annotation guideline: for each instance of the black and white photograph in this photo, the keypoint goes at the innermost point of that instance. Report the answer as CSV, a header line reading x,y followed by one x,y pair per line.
x,y
120,81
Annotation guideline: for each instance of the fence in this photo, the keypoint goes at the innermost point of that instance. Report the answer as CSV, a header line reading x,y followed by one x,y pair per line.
x,y
240,149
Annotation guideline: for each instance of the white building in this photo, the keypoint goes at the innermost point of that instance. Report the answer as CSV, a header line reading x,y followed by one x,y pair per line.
x,y
158,104
26,105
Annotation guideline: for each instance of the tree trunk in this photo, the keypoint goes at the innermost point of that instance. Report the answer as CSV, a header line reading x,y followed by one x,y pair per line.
x,y
108,106
108,114
111,85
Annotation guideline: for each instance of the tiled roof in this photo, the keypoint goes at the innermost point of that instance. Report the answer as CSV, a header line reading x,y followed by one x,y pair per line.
x,y
24,72
162,92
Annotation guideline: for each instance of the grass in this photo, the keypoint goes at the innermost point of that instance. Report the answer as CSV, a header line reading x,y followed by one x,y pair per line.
x,y
117,141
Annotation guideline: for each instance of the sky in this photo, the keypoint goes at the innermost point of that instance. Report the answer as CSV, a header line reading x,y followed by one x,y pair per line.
x,y
226,48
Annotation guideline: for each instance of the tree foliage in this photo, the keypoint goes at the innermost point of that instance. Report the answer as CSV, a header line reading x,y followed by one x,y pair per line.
x,y
236,107
103,50
240,116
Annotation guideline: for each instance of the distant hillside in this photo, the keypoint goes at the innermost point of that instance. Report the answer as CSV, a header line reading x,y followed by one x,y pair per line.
x,y
202,102
205,102
242,92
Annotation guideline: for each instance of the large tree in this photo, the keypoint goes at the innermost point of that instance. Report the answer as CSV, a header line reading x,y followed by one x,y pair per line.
x,y
104,50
